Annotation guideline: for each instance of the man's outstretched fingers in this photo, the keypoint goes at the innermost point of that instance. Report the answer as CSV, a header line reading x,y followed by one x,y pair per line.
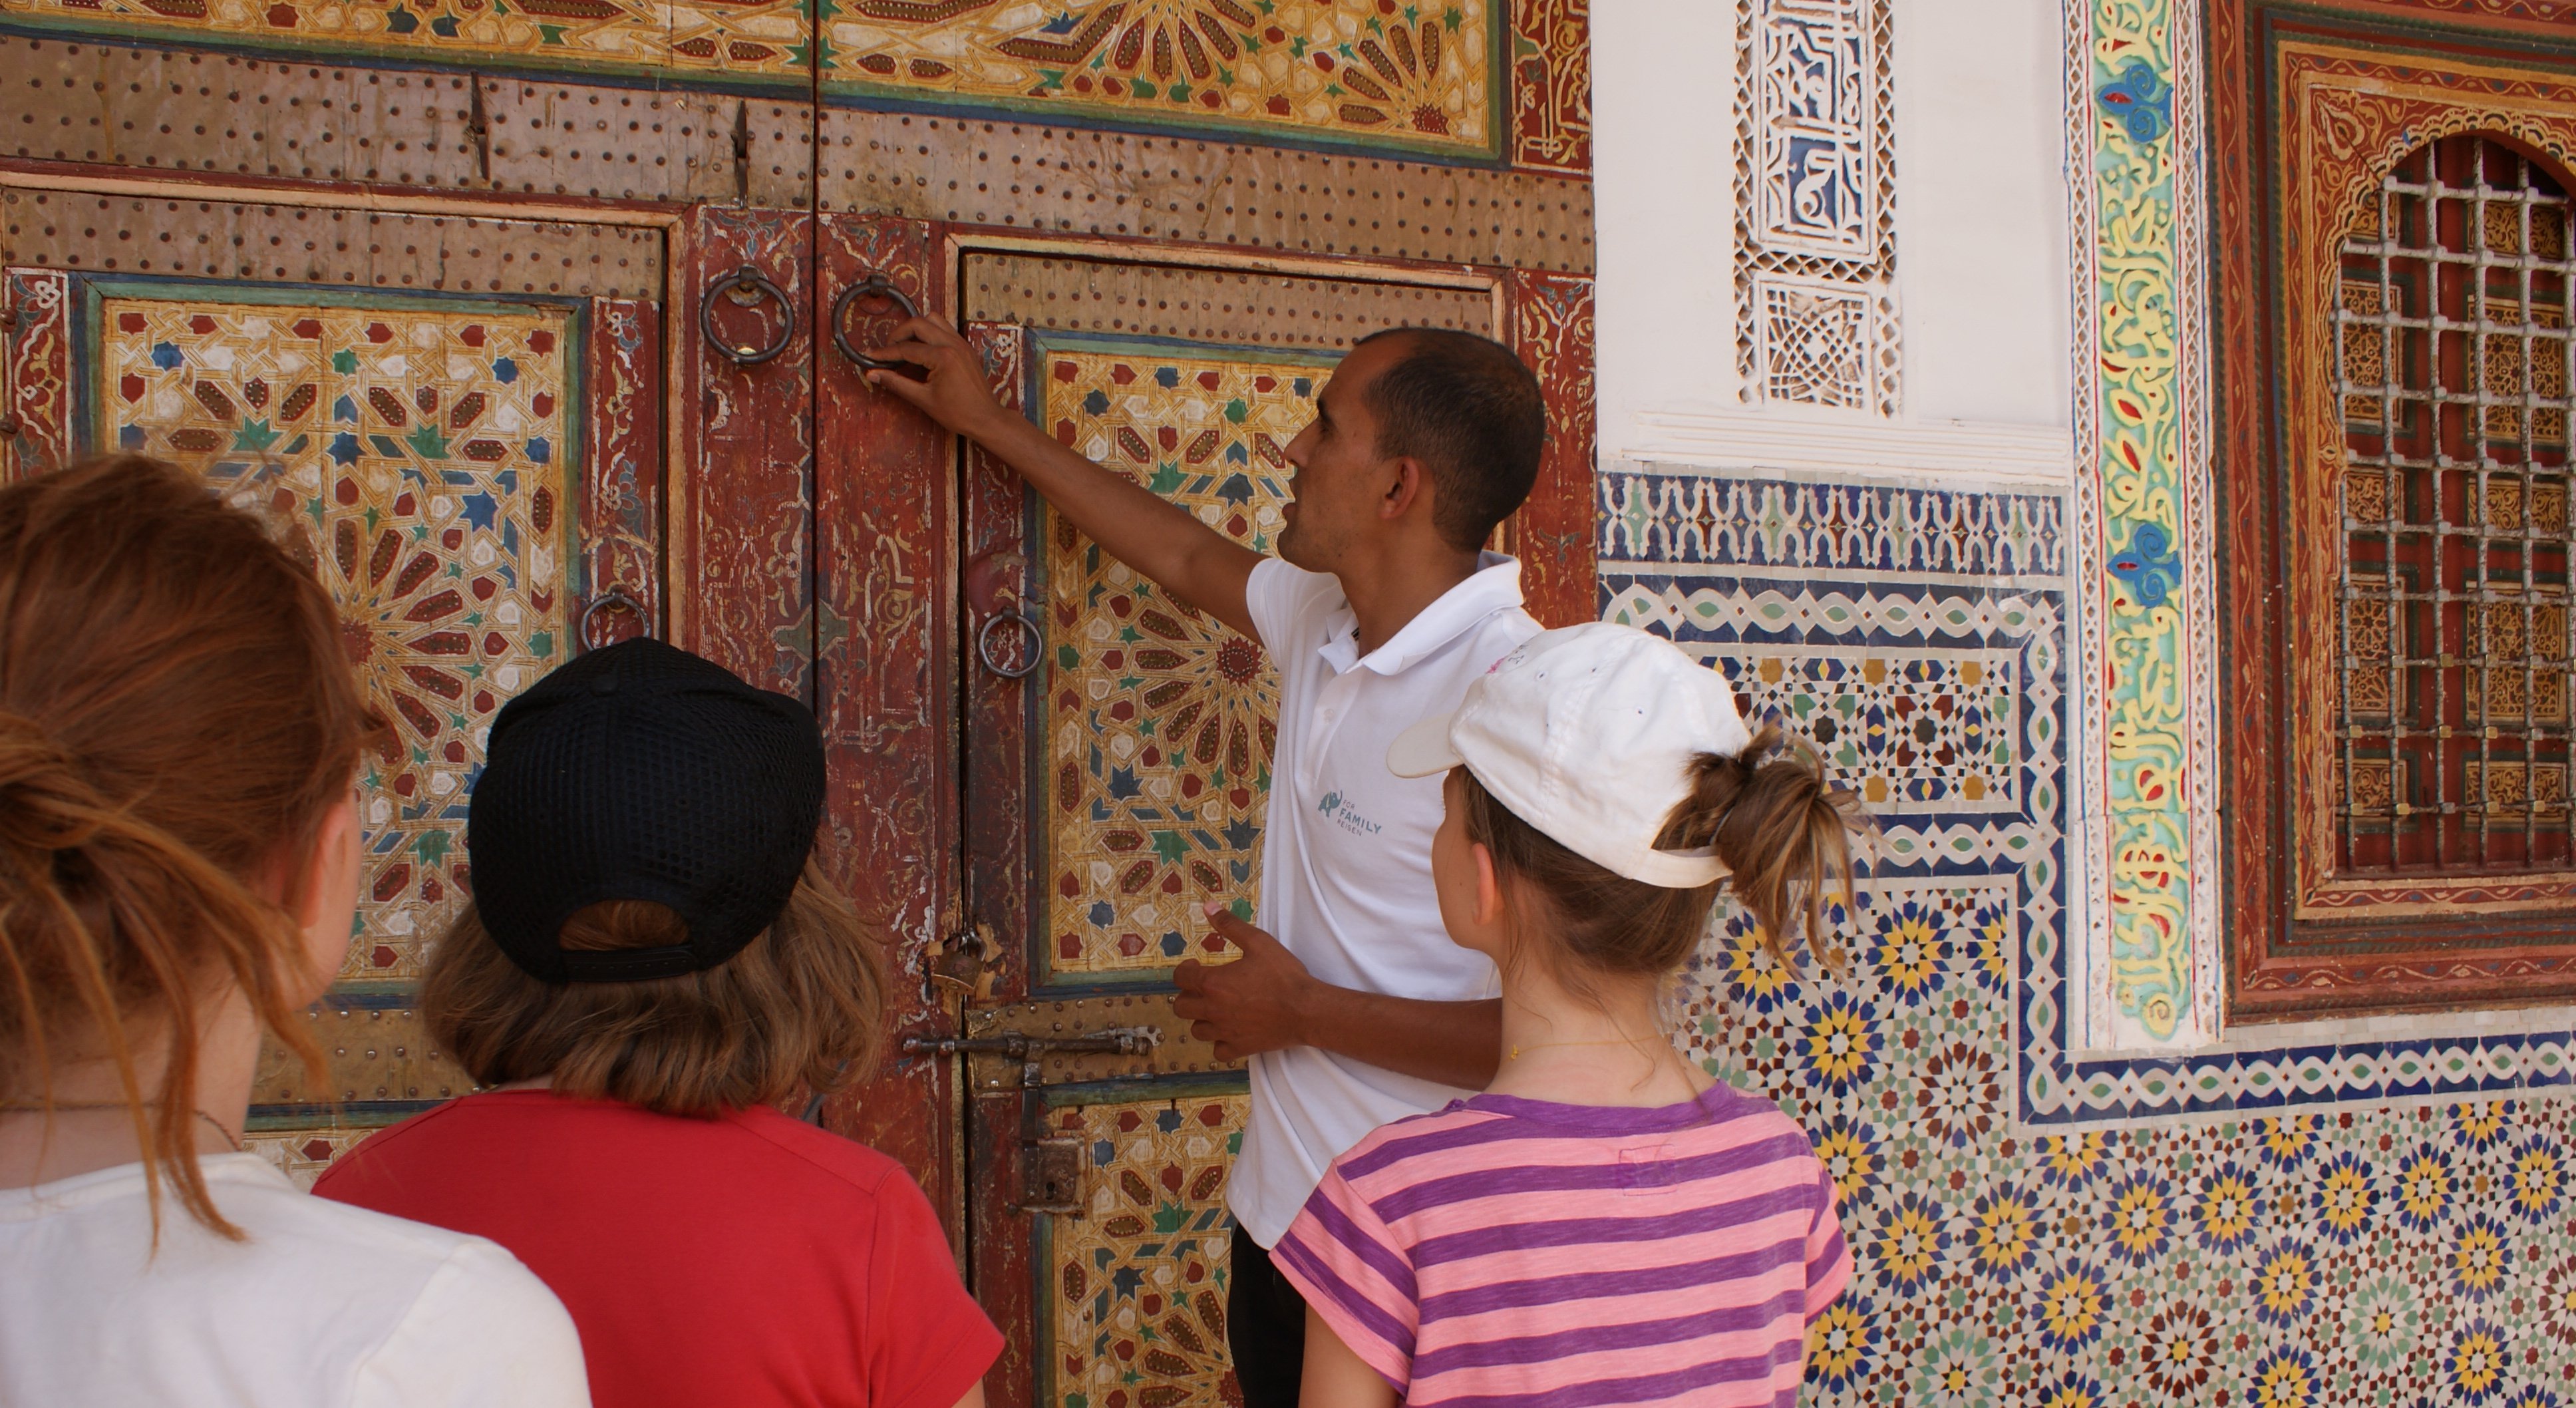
x,y
1237,931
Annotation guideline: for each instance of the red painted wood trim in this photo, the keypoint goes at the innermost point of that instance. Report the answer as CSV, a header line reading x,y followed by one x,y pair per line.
x,y
38,375
1550,327
621,496
885,649
2281,967
740,554
996,575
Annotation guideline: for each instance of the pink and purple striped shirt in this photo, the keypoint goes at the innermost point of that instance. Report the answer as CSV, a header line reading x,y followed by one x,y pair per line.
x,y
1505,1251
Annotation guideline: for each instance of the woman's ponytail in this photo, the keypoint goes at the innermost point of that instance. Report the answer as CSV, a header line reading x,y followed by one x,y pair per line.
x,y
176,715
1783,830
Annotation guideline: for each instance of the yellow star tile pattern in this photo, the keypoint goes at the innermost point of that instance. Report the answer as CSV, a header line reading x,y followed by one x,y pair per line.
x,y
1158,720
421,459
1138,1282
1418,74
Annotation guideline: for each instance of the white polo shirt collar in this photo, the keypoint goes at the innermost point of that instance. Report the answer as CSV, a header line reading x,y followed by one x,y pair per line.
x,y
1495,585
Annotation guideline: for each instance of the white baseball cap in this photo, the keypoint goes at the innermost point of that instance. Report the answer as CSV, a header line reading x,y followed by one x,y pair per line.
x,y
1588,734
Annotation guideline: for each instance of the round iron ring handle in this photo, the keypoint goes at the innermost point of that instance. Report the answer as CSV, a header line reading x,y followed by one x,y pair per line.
x,y
747,277
984,645
614,596
877,285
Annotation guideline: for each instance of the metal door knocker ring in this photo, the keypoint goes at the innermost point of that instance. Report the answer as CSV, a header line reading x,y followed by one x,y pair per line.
x,y
984,645
740,280
616,597
875,285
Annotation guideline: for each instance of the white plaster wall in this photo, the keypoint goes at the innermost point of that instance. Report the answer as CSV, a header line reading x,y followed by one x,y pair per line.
x,y
1981,218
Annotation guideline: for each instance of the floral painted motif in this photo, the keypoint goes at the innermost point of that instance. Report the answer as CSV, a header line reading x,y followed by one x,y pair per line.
x,y
1159,720
424,460
1420,76
709,38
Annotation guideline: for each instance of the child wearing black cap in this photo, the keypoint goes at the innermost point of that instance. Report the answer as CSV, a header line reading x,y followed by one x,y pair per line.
x,y
653,958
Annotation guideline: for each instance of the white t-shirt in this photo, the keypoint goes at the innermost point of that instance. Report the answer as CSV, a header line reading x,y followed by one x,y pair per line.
x,y
1346,855
324,1304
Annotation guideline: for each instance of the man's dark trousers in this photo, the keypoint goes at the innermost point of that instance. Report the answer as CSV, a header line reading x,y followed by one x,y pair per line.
x,y
1265,1326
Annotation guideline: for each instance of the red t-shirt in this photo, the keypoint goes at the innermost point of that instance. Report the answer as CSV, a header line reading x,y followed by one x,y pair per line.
x,y
746,1260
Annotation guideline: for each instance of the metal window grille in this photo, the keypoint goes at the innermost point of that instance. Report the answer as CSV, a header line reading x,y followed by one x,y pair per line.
x,y
2451,372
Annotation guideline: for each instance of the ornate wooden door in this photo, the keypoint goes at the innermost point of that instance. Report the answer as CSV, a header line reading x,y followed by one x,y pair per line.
x,y
1168,319
484,295
472,460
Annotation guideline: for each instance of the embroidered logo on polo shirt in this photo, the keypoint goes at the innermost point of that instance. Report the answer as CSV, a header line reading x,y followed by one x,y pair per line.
x,y
1345,816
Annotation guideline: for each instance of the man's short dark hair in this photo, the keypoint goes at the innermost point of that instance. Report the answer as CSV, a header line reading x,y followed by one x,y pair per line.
x,y
1466,408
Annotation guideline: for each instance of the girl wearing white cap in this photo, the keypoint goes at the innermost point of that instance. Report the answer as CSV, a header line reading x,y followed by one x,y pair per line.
x,y
1604,1224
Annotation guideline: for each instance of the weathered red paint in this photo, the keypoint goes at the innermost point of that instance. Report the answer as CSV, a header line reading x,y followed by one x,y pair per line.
x,y
741,561
621,498
996,577
885,652
1550,326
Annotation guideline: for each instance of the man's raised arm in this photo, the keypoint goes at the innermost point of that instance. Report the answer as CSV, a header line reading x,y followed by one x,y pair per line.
x,y
1159,539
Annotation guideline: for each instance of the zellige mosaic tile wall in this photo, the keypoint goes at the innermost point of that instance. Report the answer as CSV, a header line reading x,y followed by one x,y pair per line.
x,y
2384,1223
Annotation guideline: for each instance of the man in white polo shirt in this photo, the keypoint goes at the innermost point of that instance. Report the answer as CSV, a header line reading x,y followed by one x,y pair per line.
x,y
1379,609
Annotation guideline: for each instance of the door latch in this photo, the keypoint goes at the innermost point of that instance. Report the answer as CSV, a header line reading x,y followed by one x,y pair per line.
x,y
1050,1165
1031,1051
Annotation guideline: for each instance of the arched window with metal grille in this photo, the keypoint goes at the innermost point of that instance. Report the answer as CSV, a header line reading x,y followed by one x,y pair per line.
x,y
2450,367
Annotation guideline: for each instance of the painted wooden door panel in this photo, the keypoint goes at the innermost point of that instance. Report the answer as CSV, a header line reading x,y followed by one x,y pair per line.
x,y
1119,785
470,470
885,667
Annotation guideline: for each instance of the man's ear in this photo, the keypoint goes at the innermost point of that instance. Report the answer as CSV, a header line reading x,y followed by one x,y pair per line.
x,y
1408,489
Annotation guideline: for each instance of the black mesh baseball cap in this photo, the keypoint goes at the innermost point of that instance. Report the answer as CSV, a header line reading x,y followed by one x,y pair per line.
x,y
642,772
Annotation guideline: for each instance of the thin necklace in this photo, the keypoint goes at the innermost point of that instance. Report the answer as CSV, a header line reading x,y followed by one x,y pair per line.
x,y
1543,1045
24,1106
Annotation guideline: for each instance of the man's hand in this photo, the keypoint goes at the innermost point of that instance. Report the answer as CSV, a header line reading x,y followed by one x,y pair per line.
x,y
1250,1005
1162,540
956,393
1267,1000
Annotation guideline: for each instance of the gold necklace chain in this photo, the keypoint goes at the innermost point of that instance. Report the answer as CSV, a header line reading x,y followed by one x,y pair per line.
x,y
37,1106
